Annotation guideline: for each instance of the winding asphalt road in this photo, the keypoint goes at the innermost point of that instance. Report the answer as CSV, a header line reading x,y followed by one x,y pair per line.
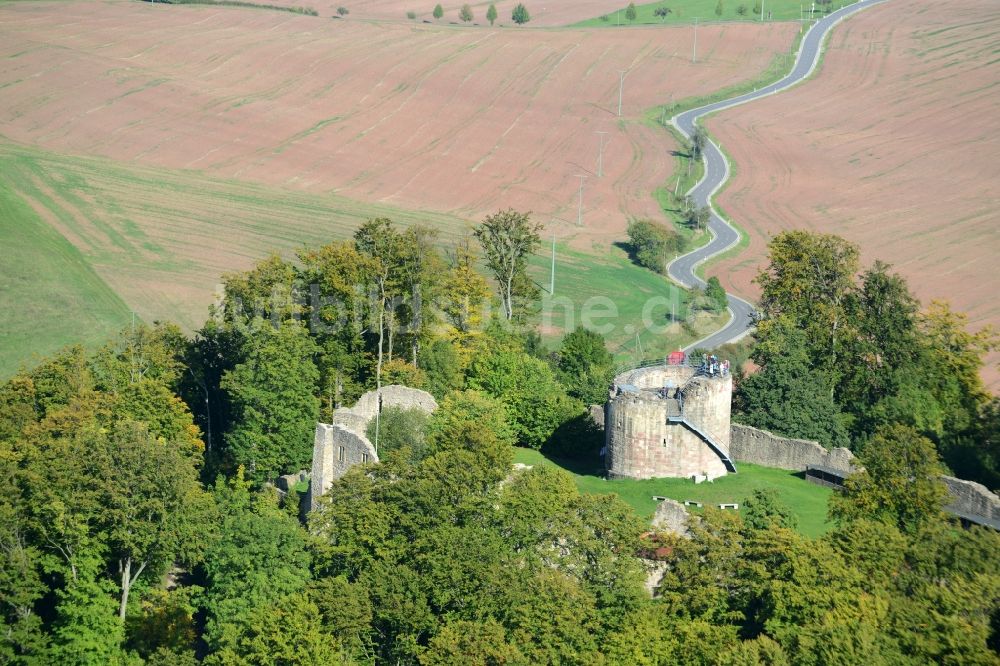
x,y
682,269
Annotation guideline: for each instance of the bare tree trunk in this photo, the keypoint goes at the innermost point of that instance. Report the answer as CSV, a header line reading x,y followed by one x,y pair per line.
x,y
416,321
339,389
378,368
128,578
208,419
391,327
381,334
509,297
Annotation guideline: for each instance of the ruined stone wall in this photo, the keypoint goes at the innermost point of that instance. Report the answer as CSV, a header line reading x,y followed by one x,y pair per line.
x,y
340,445
972,497
760,447
335,450
393,395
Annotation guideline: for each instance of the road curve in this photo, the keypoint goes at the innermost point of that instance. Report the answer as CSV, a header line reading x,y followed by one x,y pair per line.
x,y
724,236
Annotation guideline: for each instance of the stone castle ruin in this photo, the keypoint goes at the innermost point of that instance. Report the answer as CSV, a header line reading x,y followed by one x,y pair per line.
x,y
340,445
669,420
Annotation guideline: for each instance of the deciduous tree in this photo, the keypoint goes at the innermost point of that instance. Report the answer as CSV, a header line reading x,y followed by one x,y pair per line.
x,y
786,395
653,244
464,296
715,292
256,557
585,366
810,280
507,239
274,406
696,148
900,484
536,403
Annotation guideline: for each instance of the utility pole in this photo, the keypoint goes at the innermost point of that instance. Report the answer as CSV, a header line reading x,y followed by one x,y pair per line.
x,y
761,10
600,155
552,279
694,51
579,211
621,84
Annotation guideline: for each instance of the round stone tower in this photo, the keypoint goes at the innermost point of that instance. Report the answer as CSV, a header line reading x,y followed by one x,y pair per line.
x,y
669,421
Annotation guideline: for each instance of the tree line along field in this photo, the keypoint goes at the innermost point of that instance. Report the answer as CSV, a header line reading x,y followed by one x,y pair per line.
x,y
708,11
587,13
891,145
543,14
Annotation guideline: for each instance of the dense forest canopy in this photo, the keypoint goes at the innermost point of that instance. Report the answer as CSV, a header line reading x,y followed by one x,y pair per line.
x,y
138,524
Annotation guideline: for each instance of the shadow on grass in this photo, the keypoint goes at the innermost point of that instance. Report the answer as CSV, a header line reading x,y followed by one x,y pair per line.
x,y
576,447
628,248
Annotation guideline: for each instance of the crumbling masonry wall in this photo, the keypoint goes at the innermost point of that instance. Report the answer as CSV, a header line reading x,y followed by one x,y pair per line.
x,y
340,445
760,447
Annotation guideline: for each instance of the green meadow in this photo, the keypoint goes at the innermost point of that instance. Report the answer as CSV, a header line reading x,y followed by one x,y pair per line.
x,y
806,500
50,296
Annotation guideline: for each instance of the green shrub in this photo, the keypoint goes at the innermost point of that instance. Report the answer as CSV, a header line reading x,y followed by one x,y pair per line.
x,y
653,244
520,14
716,294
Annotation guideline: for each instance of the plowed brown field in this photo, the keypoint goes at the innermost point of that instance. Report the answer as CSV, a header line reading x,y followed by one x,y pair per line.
x,y
455,120
893,145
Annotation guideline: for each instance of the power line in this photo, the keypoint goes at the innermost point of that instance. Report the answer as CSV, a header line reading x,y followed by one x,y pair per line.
x,y
600,155
552,278
621,84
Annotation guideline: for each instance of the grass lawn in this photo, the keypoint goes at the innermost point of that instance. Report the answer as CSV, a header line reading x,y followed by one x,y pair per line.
x,y
50,296
624,298
685,11
806,500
